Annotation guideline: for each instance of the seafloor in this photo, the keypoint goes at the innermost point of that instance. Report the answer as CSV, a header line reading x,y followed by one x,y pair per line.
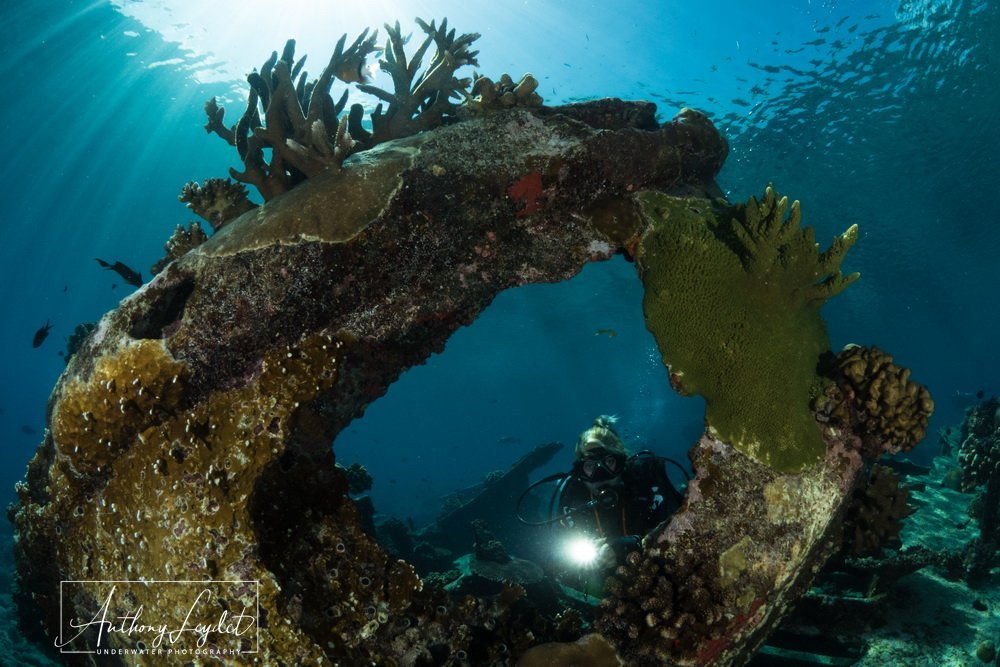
x,y
927,618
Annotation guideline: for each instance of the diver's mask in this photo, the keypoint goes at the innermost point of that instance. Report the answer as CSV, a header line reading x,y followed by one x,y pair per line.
x,y
601,468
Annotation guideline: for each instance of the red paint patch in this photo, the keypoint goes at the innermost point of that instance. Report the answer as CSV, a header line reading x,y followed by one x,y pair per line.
x,y
527,190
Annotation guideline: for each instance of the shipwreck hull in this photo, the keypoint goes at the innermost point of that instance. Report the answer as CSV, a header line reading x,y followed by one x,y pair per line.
x,y
190,435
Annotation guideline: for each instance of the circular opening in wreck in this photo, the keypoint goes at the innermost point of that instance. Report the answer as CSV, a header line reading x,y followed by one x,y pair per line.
x,y
537,367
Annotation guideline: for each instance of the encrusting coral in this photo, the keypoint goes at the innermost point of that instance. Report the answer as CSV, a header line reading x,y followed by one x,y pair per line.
x,y
733,297
869,391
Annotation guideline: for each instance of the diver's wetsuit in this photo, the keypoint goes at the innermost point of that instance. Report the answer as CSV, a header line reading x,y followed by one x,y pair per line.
x,y
645,498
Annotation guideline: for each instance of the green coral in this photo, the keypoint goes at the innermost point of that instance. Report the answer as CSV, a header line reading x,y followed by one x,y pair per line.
x,y
733,295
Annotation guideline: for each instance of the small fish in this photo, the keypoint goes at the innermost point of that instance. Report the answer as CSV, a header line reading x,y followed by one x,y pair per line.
x,y
130,275
357,70
41,334
27,429
509,440
610,333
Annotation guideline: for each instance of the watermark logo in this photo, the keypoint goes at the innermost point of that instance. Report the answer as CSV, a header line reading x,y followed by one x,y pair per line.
x,y
193,618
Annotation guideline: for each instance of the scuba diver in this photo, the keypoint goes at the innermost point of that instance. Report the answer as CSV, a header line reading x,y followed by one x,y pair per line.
x,y
610,499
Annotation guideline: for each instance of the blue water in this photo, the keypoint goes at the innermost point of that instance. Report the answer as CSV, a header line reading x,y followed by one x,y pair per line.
x,y
882,114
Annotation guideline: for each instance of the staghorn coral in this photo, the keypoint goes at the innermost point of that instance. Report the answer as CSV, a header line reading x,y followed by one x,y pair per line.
x,y
502,94
300,122
180,243
302,125
875,398
733,297
876,512
420,99
217,201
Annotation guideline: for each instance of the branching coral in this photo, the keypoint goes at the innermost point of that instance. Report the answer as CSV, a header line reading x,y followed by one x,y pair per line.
x,y
876,398
180,243
359,479
217,200
979,455
75,340
979,450
300,123
733,297
874,518
503,94
420,99
771,246
654,600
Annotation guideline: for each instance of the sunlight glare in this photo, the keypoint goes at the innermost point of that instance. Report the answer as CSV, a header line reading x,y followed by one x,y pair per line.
x,y
229,39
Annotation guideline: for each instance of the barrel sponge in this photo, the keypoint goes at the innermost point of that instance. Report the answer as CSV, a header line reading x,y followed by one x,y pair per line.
x,y
732,296
876,397
99,417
